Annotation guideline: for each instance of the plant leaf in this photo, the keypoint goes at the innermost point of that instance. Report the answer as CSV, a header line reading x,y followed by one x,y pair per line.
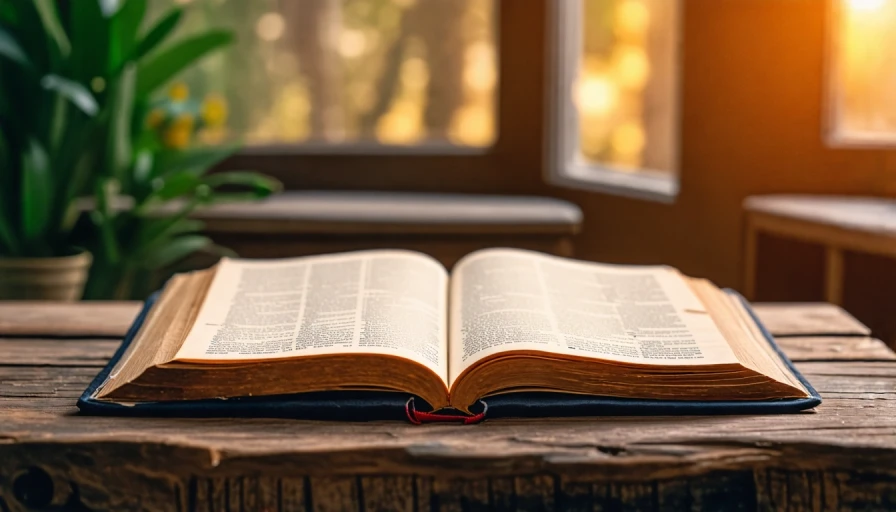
x,y
74,92
8,243
89,32
177,185
178,249
259,185
37,191
124,27
104,217
171,61
11,49
158,33
118,147
109,7
50,19
143,165
157,232
194,160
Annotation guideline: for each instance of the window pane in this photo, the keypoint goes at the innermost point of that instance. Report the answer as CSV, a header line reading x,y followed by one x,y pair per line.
x,y
343,71
864,71
627,89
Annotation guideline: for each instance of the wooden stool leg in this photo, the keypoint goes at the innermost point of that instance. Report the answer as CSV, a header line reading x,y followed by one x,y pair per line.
x,y
833,279
750,248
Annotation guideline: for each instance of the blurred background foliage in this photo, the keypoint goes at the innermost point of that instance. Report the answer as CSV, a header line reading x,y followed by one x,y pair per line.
x,y
340,71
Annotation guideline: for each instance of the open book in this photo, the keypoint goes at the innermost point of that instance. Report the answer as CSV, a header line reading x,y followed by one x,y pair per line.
x,y
505,321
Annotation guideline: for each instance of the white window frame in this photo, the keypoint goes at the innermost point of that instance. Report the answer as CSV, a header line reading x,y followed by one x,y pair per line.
x,y
565,165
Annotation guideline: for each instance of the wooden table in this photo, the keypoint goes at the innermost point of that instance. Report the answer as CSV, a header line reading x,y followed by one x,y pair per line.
x,y
841,457
862,224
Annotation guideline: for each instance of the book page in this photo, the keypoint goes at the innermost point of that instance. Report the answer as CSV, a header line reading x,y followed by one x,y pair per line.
x,y
506,299
376,302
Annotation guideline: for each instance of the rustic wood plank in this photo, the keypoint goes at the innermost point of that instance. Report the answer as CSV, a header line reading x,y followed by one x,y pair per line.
x,y
423,492
534,492
459,494
61,319
294,494
723,490
388,493
55,352
808,319
860,398
624,496
575,495
334,494
502,494
840,457
835,348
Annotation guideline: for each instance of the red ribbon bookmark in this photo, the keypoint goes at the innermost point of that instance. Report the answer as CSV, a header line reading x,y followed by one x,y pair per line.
x,y
419,418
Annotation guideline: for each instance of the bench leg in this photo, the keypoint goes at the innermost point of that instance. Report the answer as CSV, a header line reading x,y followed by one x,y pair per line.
x,y
750,249
833,279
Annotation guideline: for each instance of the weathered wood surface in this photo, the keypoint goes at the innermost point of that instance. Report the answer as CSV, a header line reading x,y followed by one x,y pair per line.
x,y
61,319
842,456
800,319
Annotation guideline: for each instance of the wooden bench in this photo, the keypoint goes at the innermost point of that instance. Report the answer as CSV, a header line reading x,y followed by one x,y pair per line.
x,y
861,224
446,226
840,457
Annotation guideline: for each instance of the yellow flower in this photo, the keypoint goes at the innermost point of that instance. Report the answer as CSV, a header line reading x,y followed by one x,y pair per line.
x,y
184,121
155,118
214,110
179,92
176,137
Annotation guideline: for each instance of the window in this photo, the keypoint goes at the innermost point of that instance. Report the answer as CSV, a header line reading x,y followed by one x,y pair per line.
x,y
614,97
862,73
351,72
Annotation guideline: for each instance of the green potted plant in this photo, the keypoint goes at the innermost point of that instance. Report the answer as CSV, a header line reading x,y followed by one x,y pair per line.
x,y
77,88
46,119
142,224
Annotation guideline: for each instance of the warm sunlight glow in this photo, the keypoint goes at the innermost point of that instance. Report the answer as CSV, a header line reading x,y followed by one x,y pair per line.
x,y
863,82
352,43
270,26
471,126
631,67
595,95
632,20
402,124
626,92
865,5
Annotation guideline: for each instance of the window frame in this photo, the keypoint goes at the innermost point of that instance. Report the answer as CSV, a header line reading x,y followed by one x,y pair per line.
x,y
564,165
511,165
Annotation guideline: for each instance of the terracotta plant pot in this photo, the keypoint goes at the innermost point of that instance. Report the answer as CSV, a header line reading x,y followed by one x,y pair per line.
x,y
59,278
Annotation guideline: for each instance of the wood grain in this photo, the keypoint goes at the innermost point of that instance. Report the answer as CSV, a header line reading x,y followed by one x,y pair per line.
x,y
72,319
808,319
840,457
